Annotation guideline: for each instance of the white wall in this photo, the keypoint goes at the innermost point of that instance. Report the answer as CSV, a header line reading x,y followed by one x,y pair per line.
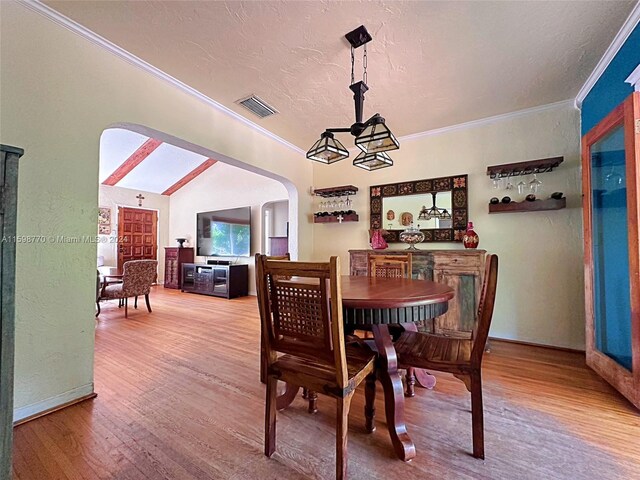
x,y
59,92
218,188
540,291
114,197
280,219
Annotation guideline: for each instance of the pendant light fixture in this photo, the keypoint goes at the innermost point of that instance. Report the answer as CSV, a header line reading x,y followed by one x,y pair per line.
x,y
373,136
434,212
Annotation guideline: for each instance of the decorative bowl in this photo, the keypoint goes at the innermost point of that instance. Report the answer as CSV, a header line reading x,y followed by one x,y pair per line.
x,y
411,236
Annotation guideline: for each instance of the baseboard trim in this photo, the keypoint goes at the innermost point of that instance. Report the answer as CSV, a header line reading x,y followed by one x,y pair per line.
x,y
538,345
53,404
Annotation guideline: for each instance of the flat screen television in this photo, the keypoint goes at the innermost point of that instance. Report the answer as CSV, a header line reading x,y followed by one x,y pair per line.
x,y
224,233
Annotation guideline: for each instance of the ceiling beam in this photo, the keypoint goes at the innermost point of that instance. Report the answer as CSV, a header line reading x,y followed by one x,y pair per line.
x,y
189,176
133,161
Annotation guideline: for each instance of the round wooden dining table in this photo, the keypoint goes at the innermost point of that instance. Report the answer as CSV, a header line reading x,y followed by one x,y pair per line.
x,y
374,303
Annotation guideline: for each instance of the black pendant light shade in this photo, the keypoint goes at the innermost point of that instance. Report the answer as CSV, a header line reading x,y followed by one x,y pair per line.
x,y
376,137
327,150
372,161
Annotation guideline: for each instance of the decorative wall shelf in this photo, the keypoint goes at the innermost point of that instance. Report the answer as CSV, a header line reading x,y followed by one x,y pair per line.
x,y
336,191
352,217
524,168
536,206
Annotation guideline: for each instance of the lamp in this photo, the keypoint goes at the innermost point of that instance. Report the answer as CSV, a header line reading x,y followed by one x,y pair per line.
x,y
372,161
434,212
376,137
373,136
327,150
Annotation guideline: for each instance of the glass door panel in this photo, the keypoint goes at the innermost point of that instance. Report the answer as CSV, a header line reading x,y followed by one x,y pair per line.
x,y
612,301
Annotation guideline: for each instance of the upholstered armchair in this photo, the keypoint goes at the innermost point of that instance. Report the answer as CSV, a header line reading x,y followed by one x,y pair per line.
x,y
137,277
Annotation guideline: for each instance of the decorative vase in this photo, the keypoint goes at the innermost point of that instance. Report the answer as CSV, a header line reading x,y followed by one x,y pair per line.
x,y
181,241
377,240
470,239
411,236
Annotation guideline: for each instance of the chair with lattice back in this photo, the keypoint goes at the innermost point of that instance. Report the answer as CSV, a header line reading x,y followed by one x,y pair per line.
x,y
303,334
390,266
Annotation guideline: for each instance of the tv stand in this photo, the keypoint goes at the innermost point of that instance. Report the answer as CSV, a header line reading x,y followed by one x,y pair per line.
x,y
227,281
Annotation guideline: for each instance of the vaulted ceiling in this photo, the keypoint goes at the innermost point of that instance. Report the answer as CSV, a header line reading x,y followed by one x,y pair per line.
x,y
132,160
430,65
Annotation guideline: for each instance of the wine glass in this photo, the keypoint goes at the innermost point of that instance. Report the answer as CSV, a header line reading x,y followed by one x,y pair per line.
x,y
495,182
522,187
535,185
509,185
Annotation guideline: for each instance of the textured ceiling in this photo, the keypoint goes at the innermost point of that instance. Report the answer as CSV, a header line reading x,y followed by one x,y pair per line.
x,y
431,64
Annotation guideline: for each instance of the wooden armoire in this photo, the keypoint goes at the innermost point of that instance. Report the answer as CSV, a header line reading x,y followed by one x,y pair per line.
x,y
611,203
174,258
8,203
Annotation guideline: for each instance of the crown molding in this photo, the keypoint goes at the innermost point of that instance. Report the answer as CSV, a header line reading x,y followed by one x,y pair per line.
x,y
112,48
621,37
634,79
487,120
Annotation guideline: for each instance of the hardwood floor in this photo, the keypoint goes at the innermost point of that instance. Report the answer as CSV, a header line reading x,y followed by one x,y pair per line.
x,y
179,397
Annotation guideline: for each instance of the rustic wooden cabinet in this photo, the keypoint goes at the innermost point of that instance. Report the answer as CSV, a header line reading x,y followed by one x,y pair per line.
x,y
460,269
174,257
611,201
8,201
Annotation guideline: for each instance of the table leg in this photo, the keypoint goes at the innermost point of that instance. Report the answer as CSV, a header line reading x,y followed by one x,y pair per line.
x,y
423,378
289,395
393,394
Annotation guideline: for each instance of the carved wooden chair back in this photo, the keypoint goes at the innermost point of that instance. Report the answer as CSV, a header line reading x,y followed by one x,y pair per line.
x,y
301,311
390,266
485,309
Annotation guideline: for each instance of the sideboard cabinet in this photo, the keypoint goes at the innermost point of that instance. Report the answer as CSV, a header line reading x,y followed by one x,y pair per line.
x,y
460,269
174,257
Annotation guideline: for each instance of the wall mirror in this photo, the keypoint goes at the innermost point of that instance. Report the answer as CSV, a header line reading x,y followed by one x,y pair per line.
x,y
438,206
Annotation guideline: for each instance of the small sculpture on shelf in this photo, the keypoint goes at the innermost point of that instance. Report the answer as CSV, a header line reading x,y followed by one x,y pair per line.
x,y
181,241
411,236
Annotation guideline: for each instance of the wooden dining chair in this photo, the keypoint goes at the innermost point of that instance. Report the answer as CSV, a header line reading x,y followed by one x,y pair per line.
x,y
390,266
460,356
301,313
394,266
263,363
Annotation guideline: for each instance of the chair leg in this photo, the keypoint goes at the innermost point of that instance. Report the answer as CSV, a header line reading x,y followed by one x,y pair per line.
x,y
98,305
146,299
270,417
477,420
313,401
370,403
342,428
135,302
410,380
126,308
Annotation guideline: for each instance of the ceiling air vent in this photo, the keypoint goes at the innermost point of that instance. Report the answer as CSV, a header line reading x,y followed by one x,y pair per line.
x,y
257,106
